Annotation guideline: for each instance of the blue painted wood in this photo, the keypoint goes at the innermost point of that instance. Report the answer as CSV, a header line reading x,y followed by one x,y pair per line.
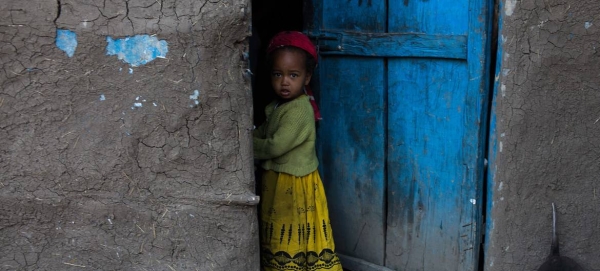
x,y
442,17
351,145
351,137
416,169
430,165
480,22
354,15
392,45
435,159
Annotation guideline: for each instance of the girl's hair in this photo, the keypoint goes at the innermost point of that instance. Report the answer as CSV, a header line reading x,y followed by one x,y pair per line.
x,y
310,62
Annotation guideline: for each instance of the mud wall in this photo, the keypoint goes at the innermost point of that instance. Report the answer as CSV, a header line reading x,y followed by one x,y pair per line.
x,y
124,136
545,145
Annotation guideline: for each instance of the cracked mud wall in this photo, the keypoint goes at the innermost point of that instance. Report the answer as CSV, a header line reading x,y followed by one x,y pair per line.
x,y
106,165
546,146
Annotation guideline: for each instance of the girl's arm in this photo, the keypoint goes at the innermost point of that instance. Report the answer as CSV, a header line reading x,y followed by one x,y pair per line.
x,y
294,128
260,131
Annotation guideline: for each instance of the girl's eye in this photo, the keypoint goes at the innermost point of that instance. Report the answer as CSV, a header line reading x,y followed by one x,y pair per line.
x,y
276,74
294,75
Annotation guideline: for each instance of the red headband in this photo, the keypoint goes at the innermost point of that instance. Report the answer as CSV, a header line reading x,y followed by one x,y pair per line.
x,y
294,39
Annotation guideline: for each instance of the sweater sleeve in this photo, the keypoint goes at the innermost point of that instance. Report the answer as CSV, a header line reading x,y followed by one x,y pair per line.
x,y
294,128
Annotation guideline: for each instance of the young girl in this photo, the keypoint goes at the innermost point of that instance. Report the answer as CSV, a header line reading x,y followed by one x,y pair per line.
x,y
295,228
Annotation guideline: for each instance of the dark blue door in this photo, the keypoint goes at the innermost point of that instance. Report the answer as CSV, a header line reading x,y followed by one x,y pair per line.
x,y
402,89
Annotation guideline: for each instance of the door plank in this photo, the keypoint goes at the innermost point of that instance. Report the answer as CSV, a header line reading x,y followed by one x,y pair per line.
x,y
440,17
354,15
351,135
429,178
392,44
351,148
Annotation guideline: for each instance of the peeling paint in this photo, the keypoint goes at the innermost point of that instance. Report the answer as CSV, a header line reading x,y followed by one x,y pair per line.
x,y
138,105
588,25
130,71
66,40
137,50
102,97
194,97
473,201
509,7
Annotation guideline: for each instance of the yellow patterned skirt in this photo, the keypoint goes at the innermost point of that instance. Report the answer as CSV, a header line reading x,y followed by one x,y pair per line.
x,y
295,226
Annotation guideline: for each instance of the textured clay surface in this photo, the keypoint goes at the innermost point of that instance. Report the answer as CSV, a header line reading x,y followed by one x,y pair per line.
x,y
106,166
548,148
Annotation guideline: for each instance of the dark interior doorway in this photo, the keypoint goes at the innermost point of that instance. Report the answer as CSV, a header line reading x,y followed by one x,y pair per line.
x,y
268,18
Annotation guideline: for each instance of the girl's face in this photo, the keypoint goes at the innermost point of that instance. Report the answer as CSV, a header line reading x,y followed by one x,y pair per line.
x,y
288,74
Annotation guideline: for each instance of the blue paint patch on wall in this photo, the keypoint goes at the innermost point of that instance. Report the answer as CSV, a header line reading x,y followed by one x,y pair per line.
x,y
66,40
194,97
137,50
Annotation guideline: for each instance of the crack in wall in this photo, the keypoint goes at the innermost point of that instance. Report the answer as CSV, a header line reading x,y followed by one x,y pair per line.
x,y
58,12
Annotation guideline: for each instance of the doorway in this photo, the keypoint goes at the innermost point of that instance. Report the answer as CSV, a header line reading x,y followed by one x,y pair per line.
x,y
405,107
268,18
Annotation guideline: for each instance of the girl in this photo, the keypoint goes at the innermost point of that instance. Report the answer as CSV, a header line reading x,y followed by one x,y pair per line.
x,y
295,228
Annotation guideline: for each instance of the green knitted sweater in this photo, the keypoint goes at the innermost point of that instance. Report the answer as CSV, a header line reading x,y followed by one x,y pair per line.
x,y
286,140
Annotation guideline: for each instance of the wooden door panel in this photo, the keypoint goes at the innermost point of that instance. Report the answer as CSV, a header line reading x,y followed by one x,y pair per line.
x,y
351,147
428,165
450,17
403,193
354,15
